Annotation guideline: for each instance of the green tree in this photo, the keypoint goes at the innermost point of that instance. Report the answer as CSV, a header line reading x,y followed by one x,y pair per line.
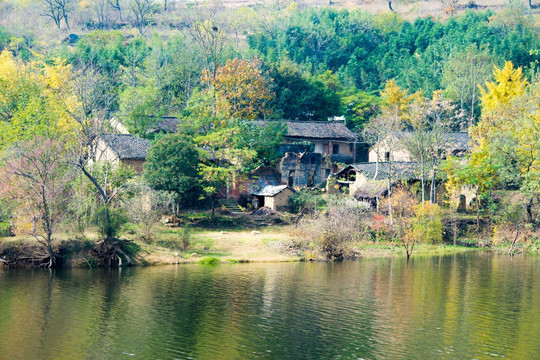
x,y
140,108
300,96
172,165
464,71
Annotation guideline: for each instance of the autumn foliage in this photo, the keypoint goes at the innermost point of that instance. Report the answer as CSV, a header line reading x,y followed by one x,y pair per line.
x,y
244,87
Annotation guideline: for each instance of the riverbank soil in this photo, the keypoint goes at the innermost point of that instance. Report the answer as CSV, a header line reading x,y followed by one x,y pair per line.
x,y
194,238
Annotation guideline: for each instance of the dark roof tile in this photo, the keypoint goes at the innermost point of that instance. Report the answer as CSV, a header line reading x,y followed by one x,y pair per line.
x,y
127,146
401,170
319,130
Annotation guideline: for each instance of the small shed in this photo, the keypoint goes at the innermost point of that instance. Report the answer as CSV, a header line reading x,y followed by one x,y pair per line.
x,y
371,192
273,197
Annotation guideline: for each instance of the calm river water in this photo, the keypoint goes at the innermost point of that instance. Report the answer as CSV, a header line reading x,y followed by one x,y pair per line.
x,y
469,306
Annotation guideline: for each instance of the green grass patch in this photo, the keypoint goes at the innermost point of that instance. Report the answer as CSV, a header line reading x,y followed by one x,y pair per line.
x,y
209,261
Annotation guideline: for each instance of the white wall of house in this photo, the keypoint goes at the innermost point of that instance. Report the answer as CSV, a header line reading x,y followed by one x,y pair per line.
x,y
104,153
327,147
398,154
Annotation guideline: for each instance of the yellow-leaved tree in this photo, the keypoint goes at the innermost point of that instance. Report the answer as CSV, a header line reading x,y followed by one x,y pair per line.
x,y
33,99
241,88
506,143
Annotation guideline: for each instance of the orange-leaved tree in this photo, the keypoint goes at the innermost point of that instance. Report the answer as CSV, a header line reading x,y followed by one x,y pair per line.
x,y
244,86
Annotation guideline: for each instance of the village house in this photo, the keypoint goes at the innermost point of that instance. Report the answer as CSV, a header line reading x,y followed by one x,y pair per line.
x,y
165,125
455,143
123,148
326,137
331,138
368,182
273,197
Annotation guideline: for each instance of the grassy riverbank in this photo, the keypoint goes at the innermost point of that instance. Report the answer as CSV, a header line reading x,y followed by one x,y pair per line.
x,y
202,245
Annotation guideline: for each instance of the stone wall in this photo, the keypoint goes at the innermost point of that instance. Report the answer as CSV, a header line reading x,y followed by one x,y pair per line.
x,y
304,169
137,165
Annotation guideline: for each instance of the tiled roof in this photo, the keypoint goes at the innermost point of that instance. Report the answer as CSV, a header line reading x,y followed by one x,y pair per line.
x,y
167,125
401,170
270,190
458,140
319,130
127,146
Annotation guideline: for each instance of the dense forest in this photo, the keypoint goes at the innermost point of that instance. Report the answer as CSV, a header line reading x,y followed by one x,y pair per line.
x,y
214,67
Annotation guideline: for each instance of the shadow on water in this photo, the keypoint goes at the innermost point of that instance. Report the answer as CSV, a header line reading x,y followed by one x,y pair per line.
x,y
452,307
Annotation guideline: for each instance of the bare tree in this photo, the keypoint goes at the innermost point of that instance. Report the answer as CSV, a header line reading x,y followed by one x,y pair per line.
x,y
95,96
101,8
145,208
54,12
115,4
210,35
58,10
39,180
94,99
417,141
141,10
441,113
385,128
464,71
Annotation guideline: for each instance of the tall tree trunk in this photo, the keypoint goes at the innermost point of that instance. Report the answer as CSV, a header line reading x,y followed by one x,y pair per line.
x,y
511,250
423,179
478,211
529,206
213,209
432,189
390,201
376,163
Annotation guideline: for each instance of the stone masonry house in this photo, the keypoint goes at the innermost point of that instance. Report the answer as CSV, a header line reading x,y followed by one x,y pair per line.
x,y
123,148
304,169
273,197
328,138
456,143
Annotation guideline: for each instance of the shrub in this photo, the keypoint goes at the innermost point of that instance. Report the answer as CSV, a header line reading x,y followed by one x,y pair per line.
x,y
185,237
306,201
109,228
335,227
427,223
145,208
